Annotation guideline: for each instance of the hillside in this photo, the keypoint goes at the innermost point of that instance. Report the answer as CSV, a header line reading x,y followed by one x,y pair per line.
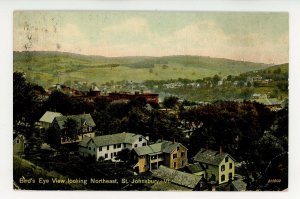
x,y
47,68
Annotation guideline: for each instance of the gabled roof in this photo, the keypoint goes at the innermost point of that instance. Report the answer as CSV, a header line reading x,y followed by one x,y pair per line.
x,y
195,168
82,119
208,156
119,138
161,147
176,177
49,116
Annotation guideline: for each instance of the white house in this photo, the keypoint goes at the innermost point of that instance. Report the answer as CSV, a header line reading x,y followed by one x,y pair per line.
x,y
108,146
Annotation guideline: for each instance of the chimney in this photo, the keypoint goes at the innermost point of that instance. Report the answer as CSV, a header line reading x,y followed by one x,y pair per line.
x,y
174,140
221,149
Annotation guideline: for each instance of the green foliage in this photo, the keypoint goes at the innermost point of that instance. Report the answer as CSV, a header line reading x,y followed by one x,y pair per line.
x,y
70,129
170,102
52,137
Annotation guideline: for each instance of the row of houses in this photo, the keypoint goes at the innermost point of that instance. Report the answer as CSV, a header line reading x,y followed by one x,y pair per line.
x,y
167,160
214,166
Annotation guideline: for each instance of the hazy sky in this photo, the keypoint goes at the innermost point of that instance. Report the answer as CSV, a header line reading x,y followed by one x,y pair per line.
x,y
257,37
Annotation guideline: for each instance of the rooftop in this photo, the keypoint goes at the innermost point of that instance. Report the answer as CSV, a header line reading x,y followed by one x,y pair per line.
x,y
49,116
128,138
82,119
208,156
161,147
177,177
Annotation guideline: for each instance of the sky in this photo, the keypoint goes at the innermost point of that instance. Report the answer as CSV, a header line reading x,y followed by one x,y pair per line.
x,y
250,36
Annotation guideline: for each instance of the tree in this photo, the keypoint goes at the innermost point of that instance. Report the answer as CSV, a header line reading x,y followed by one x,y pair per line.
x,y
123,155
70,129
53,137
24,100
170,102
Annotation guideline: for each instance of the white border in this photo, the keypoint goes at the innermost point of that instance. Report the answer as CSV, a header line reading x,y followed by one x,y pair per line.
x,y
6,38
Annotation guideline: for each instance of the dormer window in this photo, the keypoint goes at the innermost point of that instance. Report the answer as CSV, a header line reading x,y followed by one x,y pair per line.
x,y
140,139
226,159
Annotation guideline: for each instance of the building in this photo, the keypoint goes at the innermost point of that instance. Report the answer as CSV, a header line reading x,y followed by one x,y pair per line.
x,y
47,119
170,154
219,166
108,146
175,180
19,144
84,127
150,97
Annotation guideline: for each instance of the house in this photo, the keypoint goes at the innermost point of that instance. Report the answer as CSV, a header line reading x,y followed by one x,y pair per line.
x,y
170,154
84,127
19,144
175,180
47,119
108,146
219,166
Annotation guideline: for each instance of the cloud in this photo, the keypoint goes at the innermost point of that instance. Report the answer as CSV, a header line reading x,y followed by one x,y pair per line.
x,y
136,36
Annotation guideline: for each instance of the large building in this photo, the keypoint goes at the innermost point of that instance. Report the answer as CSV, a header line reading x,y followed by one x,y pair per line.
x,y
108,146
150,97
170,154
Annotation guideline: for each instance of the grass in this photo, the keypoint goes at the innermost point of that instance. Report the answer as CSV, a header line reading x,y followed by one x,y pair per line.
x,y
43,67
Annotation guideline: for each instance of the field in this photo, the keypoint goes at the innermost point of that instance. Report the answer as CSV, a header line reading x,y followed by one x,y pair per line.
x,y
48,68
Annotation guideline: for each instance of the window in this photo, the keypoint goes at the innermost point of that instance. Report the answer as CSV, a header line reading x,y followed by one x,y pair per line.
x,y
94,149
84,130
223,167
111,155
124,145
182,154
100,148
119,146
18,141
107,147
178,148
115,153
230,176
140,139
144,144
90,128
90,148
174,164
226,159
230,165
222,177
106,155
174,156
115,146
182,163
135,145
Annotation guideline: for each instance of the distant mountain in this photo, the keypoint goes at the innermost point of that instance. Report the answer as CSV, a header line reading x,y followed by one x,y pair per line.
x,y
46,67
